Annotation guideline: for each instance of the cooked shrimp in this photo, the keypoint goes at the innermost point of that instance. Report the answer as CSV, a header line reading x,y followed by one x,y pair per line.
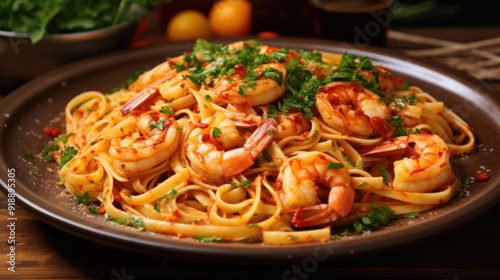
x,y
163,79
236,90
301,187
155,142
217,150
158,72
177,86
293,124
350,108
426,167
171,86
386,81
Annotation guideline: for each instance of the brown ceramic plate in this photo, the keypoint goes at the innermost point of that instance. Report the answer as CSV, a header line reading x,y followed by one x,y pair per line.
x,y
27,110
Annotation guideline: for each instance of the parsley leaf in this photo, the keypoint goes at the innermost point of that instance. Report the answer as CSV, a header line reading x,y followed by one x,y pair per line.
x,y
208,239
334,165
397,121
93,209
83,198
46,151
158,125
350,69
67,154
384,174
378,217
216,132
245,183
166,110
136,222
171,194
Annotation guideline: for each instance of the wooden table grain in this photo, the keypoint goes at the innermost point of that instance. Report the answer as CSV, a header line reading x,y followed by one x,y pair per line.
x,y
466,252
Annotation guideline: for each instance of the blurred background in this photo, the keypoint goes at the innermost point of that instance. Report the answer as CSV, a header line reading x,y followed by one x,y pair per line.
x,y
296,17
93,27
418,13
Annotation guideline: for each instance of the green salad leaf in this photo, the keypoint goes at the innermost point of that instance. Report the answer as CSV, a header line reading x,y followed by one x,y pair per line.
x,y
38,18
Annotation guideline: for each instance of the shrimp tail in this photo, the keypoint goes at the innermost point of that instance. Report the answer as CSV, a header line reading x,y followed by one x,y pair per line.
x,y
146,94
383,127
394,148
238,160
340,200
142,97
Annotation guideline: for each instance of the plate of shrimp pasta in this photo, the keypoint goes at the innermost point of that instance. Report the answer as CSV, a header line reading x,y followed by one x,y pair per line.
x,y
269,149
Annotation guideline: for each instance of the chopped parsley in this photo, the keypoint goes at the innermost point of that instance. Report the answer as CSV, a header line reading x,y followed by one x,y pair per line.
x,y
302,87
83,198
63,138
156,207
208,239
158,125
171,194
384,174
245,183
350,69
29,155
47,150
93,209
272,111
397,121
166,110
378,217
335,165
411,215
136,222
267,156
216,132
362,184
131,221
67,154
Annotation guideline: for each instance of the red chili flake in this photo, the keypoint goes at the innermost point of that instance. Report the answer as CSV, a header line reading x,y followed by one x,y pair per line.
x,y
398,81
205,137
101,210
117,197
482,176
51,131
201,125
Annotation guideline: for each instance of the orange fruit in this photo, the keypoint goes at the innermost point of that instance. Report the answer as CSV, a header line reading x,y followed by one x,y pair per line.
x,y
188,25
231,18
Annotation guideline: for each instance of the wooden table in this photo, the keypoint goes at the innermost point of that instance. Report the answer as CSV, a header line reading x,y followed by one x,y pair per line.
x,y
466,252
